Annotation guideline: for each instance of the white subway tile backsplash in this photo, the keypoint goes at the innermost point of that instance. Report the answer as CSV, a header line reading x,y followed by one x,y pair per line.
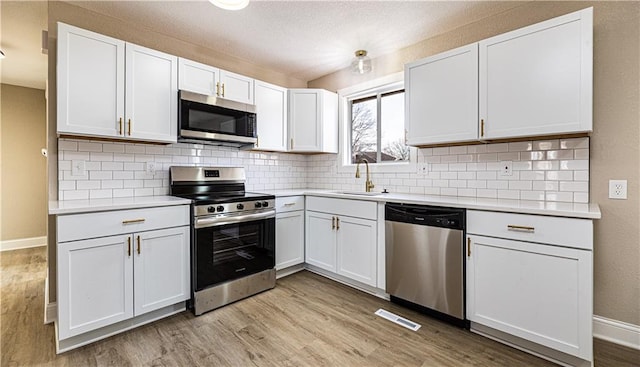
x,y
496,148
551,170
546,144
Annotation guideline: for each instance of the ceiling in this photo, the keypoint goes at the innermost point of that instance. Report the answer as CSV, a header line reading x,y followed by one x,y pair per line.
x,y
303,39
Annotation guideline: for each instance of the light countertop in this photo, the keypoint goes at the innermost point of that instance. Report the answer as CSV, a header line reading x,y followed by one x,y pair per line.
x,y
571,210
98,205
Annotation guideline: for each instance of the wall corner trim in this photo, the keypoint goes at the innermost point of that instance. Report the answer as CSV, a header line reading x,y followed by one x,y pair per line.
x,y
21,243
617,332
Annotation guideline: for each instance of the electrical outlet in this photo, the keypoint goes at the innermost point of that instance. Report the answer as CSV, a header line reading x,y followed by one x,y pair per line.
x,y
151,168
78,168
505,168
423,168
618,189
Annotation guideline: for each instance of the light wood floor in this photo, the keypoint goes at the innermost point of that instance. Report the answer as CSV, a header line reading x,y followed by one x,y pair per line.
x,y
306,320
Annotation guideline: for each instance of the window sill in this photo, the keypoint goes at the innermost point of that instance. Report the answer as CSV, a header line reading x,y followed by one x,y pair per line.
x,y
405,167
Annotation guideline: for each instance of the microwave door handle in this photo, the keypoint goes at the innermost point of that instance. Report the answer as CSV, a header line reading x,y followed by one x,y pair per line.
x,y
220,221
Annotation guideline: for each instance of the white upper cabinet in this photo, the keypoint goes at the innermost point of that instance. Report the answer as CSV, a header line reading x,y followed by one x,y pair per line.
x,y
90,83
198,78
442,97
534,81
271,104
151,94
110,88
211,81
538,80
313,121
236,87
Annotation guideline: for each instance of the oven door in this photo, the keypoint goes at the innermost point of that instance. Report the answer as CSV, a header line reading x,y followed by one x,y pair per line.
x,y
229,248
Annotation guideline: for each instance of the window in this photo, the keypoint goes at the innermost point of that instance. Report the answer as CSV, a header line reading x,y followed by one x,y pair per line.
x,y
377,127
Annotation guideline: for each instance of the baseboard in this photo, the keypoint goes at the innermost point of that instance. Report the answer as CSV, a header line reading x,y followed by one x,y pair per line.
x,y
21,243
617,332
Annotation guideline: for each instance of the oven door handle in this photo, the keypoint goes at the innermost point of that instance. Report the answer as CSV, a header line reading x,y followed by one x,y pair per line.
x,y
220,221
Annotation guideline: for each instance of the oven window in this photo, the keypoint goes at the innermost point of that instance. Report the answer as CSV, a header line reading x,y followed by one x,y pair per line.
x,y
232,251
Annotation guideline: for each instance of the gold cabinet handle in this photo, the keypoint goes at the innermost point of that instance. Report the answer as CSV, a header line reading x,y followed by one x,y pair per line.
x,y
129,128
291,143
338,223
405,136
120,128
138,245
482,127
130,221
512,227
468,246
129,246
289,204
223,89
333,222
218,89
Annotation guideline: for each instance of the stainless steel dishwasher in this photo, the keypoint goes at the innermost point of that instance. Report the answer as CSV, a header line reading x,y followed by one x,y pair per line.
x,y
425,259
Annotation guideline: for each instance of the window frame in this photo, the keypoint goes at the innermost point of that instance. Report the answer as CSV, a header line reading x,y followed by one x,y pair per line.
x,y
381,86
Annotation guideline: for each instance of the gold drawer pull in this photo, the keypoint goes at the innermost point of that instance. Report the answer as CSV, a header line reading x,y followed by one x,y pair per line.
x,y
289,204
512,227
130,221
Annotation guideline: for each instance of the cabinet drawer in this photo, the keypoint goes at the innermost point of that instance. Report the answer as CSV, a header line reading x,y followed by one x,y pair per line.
x,y
289,203
81,226
353,208
569,232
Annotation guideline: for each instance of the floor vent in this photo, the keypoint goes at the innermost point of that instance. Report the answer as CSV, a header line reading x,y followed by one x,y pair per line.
x,y
398,320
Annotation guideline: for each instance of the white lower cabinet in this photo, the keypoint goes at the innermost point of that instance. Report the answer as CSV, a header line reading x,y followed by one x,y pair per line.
x,y
95,284
540,292
341,243
289,231
105,280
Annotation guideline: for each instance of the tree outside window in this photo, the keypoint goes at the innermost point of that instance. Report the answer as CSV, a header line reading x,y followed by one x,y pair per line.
x,y
377,128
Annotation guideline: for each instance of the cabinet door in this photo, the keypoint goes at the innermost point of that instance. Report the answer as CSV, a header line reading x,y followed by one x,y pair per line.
x,y
90,83
289,239
271,104
305,114
357,248
442,97
537,292
538,80
152,95
95,284
196,77
161,270
236,87
320,244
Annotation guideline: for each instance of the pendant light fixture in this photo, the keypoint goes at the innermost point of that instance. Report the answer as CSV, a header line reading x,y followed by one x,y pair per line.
x,y
361,64
230,4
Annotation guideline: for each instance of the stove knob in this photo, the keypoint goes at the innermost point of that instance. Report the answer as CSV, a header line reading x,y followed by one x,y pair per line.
x,y
258,204
240,206
265,204
220,208
211,209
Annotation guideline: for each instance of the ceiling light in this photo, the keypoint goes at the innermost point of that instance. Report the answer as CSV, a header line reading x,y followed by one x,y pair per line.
x,y
1,54
230,4
361,64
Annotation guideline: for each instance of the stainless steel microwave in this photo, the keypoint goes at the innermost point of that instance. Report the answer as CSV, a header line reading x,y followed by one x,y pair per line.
x,y
212,120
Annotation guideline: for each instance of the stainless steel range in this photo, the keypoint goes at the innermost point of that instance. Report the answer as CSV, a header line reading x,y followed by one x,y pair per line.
x,y
233,235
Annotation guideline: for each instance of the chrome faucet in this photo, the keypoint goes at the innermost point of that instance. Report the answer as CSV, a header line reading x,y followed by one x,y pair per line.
x,y
368,184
